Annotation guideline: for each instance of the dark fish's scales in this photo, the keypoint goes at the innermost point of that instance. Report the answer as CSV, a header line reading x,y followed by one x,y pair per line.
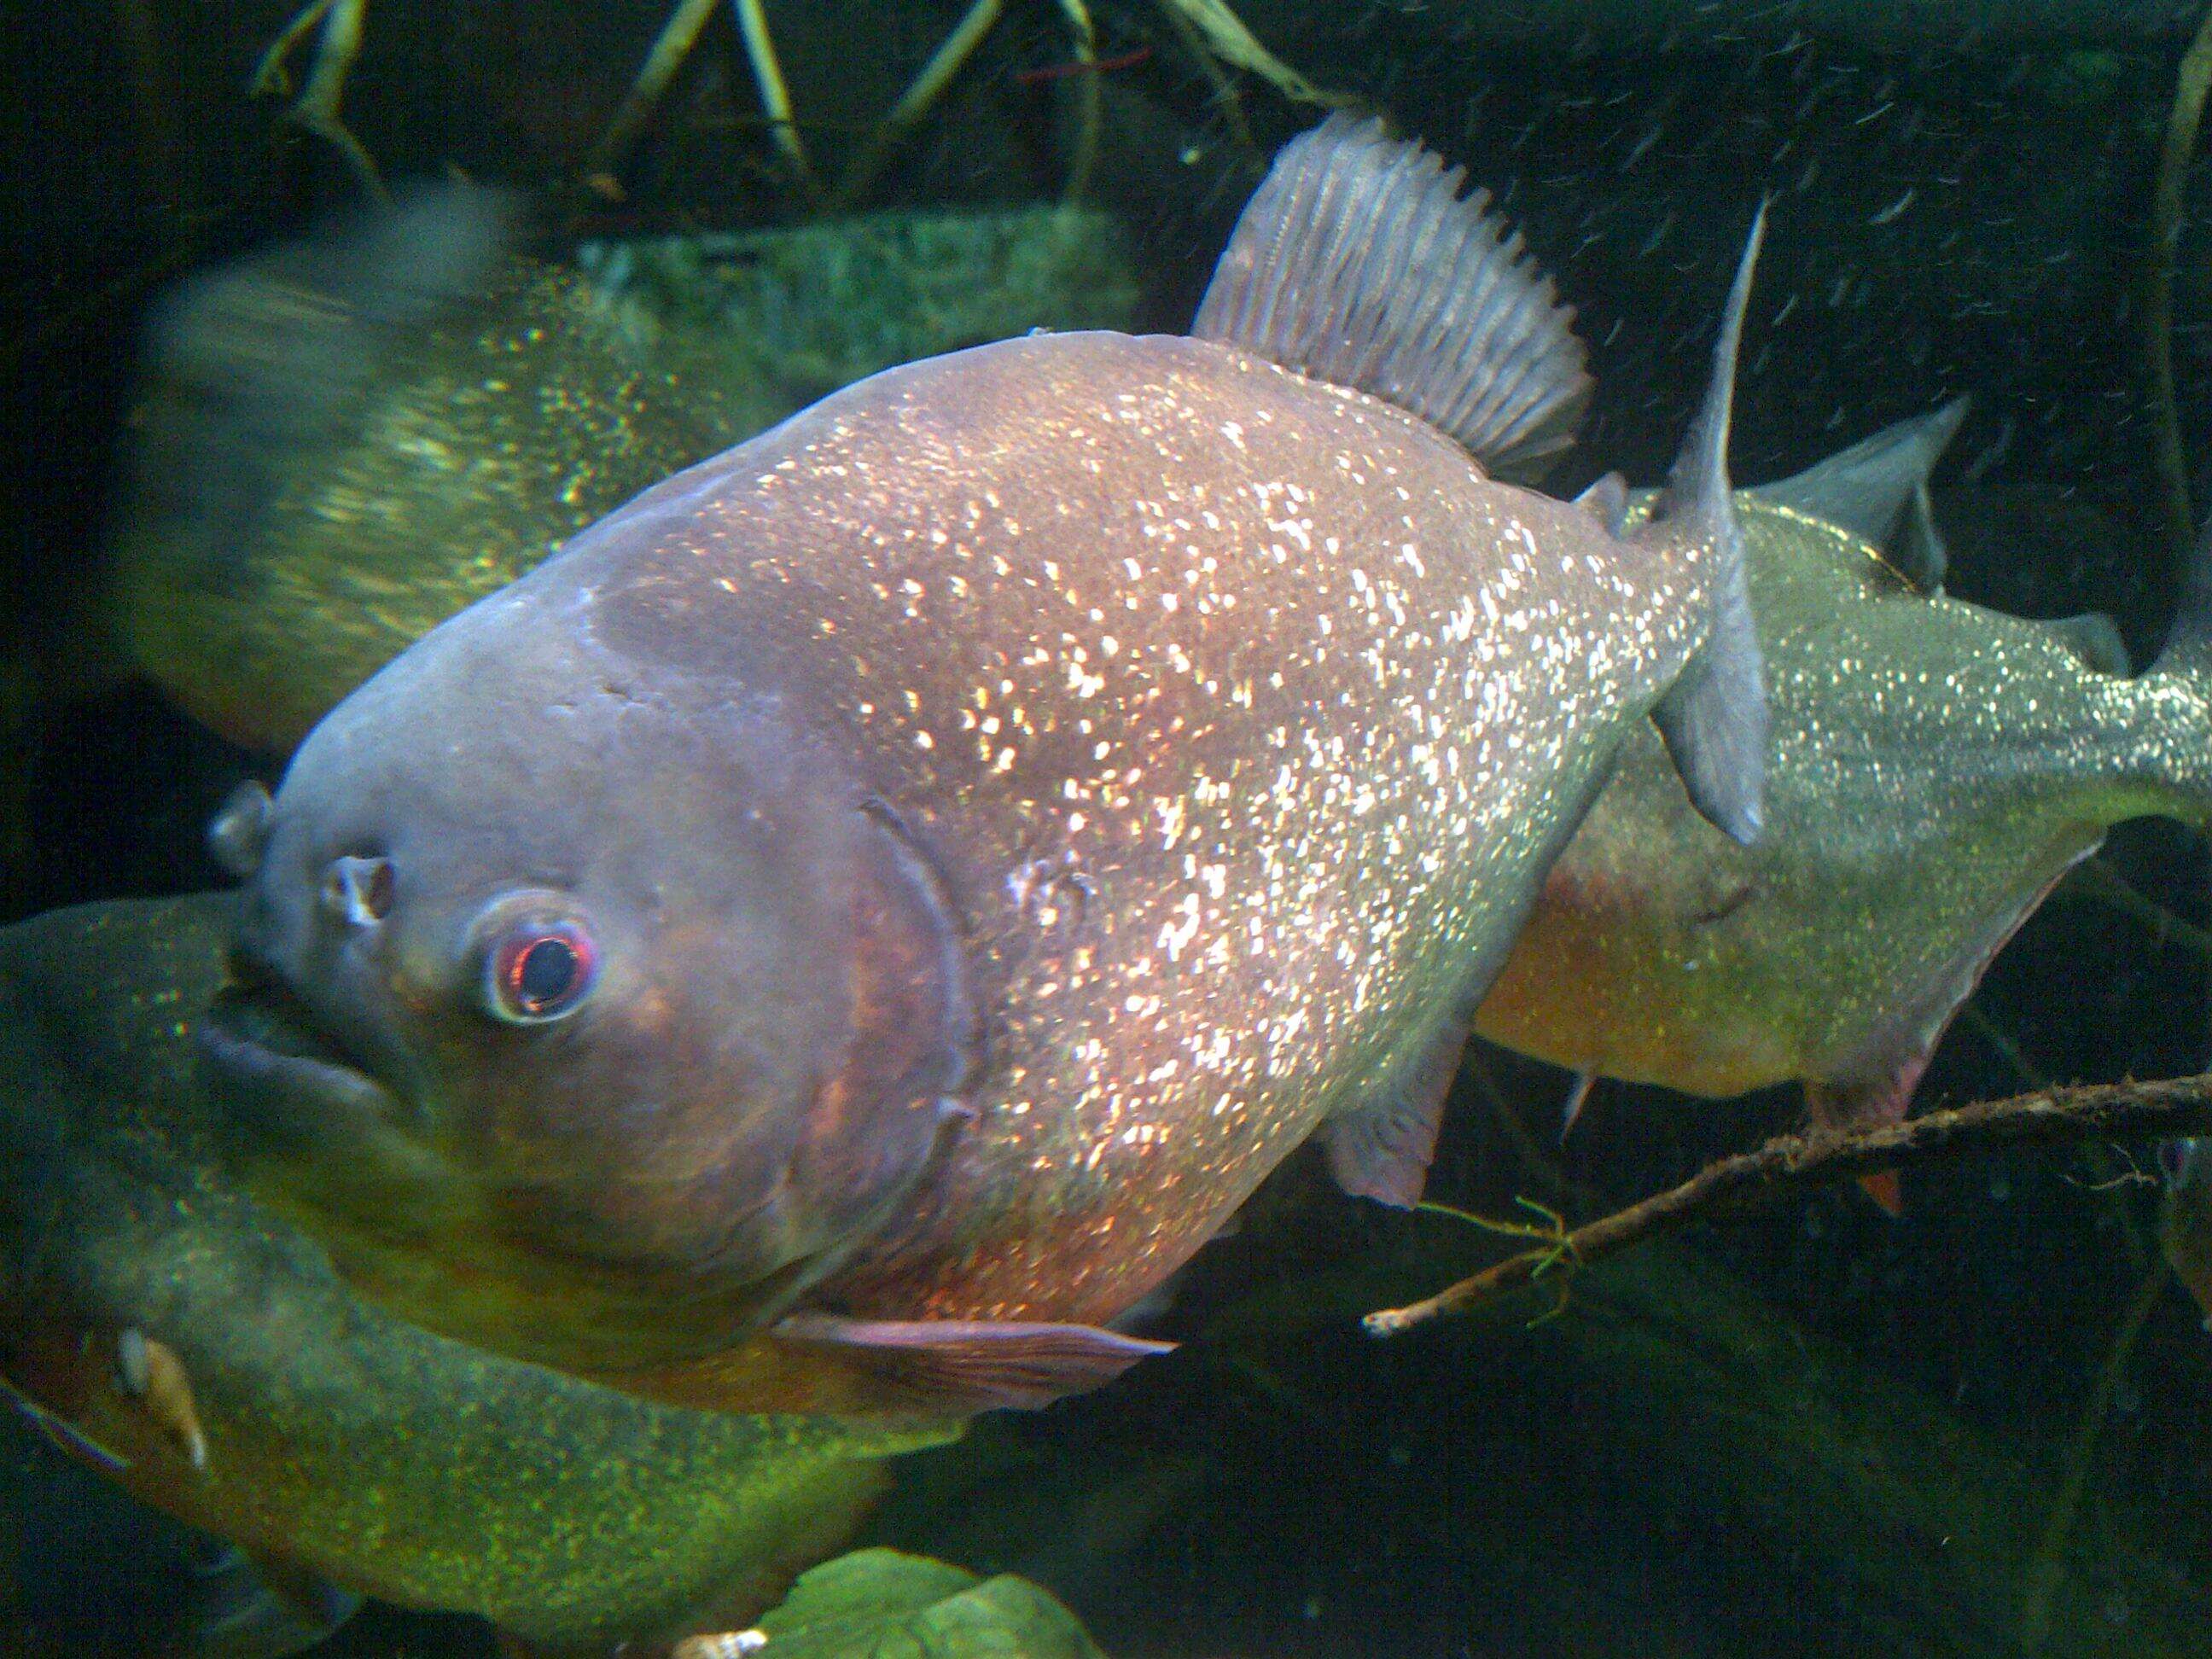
x,y
1007,808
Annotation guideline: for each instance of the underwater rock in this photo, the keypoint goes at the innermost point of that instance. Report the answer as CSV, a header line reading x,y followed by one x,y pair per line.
x,y
1937,767
323,1436
821,899
340,442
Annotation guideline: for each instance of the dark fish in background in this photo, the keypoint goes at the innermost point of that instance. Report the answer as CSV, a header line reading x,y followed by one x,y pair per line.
x,y
340,442
1937,767
337,1445
890,892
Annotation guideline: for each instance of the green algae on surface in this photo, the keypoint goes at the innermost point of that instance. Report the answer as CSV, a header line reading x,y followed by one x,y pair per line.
x,y
314,477
382,1458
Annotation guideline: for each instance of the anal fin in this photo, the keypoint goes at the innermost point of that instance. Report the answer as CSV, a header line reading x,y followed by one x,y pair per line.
x,y
1380,1149
1871,1086
975,1364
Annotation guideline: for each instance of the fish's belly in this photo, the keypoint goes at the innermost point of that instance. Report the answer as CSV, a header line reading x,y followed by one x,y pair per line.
x,y
1593,988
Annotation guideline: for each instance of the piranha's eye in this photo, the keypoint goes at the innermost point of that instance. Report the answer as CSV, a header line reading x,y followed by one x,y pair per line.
x,y
539,970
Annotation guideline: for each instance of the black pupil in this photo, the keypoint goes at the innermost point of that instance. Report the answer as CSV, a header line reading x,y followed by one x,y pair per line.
x,y
546,973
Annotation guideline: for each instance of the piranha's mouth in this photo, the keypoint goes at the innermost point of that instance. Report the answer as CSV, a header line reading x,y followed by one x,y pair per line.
x,y
284,1070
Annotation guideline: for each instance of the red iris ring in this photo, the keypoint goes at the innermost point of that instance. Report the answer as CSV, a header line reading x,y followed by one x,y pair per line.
x,y
520,960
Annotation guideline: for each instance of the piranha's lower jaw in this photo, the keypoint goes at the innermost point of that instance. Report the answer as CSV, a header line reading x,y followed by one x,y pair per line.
x,y
313,1135
285,1078
325,1146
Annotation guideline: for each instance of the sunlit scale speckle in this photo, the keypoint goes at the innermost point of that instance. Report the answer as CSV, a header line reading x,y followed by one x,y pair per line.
x,y
1241,711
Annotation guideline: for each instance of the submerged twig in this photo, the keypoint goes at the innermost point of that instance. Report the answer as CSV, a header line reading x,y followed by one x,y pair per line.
x,y
2194,82
1791,1165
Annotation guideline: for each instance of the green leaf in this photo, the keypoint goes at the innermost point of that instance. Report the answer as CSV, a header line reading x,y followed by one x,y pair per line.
x,y
880,1604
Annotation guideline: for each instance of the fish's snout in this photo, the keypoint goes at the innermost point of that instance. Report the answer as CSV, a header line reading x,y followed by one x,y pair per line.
x,y
357,891
238,835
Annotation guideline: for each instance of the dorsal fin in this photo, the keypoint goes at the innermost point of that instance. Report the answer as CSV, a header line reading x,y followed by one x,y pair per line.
x,y
1875,489
1713,717
2188,648
1356,262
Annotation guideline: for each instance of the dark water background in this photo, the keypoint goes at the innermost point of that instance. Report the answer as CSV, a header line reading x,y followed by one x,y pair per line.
x,y
1955,211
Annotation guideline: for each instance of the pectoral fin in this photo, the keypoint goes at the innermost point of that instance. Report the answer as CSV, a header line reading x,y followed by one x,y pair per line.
x,y
1606,500
975,1364
249,1602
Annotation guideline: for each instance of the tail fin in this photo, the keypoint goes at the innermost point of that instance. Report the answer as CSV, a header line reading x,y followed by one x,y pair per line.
x,y
256,362
1714,718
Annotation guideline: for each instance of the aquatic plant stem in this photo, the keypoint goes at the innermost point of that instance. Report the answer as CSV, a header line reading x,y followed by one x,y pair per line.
x,y
2047,1570
2096,881
1086,131
952,55
2192,84
316,109
775,95
1225,96
1226,37
1789,1166
669,48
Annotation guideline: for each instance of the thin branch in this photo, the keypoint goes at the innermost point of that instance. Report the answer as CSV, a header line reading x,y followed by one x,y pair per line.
x,y
1792,1165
